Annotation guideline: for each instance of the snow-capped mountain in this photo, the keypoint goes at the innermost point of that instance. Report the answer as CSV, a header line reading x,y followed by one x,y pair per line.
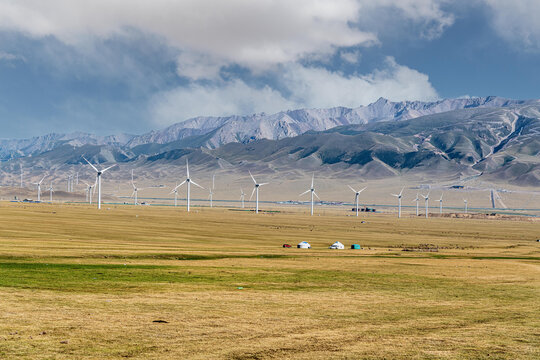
x,y
292,123
213,132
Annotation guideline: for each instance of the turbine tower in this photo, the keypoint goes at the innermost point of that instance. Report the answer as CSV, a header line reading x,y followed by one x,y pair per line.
x,y
466,205
356,196
440,204
189,182
242,196
399,196
312,190
426,198
256,190
98,178
211,196
39,188
417,200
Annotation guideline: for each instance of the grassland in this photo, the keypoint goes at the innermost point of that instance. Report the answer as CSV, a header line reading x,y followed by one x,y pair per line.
x,y
78,283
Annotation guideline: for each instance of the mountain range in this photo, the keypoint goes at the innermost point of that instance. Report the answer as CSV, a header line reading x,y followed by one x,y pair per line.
x,y
494,137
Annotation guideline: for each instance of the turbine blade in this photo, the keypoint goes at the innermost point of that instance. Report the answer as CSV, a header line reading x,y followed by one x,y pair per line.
x,y
305,192
314,193
350,187
252,177
187,168
177,186
194,183
253,192
312,180
401,192
95,168
110,167
263,184
362,189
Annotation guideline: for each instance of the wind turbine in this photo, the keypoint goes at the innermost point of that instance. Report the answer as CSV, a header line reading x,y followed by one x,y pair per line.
x,y
399,196
39,188
211,196
417,200
440,204
189,182
175,191
256,190
51,190
98,178
136,189
89,191
312,190
426,198
356,195
466,205
242,196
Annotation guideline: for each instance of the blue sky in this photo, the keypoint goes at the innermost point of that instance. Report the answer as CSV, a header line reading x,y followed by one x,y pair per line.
x,y
131,66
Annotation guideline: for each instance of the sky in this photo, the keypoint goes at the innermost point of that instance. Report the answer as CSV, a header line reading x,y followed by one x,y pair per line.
x,y
130,66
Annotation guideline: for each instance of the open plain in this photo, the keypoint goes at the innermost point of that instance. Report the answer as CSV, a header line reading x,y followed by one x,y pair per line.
x,y
149,282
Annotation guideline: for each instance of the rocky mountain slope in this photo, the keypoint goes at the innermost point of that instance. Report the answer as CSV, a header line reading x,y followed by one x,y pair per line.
x,y
213,132
497,143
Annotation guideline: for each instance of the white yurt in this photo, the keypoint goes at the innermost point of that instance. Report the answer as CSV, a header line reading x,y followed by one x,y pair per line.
x,y
304,245
337,245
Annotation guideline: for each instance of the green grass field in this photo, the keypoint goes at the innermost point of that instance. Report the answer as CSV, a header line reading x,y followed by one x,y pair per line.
x,y
147,282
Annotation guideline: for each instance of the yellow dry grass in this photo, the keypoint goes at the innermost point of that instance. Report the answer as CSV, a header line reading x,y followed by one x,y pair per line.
x,y
78,283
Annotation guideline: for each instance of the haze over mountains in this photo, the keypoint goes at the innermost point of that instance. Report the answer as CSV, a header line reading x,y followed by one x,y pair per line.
x,y
495,137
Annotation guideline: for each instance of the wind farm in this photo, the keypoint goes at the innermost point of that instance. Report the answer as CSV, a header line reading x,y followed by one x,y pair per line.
x,y
264,180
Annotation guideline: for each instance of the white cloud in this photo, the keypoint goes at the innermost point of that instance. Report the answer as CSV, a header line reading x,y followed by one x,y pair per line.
x,y
319,87
311,87
255,34
250,33
231,98
10,57
426,12
269,37
517,21
352,57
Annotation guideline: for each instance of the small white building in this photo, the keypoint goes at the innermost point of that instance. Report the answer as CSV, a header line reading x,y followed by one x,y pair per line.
x,y
337,245
304,245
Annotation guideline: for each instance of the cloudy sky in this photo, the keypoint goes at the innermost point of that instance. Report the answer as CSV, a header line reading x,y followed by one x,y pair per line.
x,y
109,66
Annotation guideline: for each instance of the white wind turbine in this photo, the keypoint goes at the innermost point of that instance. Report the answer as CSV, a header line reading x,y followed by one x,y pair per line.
x,y
89,191
51,190
242,196
312,190
189,182
465,202
440,203
417,200
399,196
426,198
38,184
175,191
98,178
135,194
356,196
211,195
256,190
